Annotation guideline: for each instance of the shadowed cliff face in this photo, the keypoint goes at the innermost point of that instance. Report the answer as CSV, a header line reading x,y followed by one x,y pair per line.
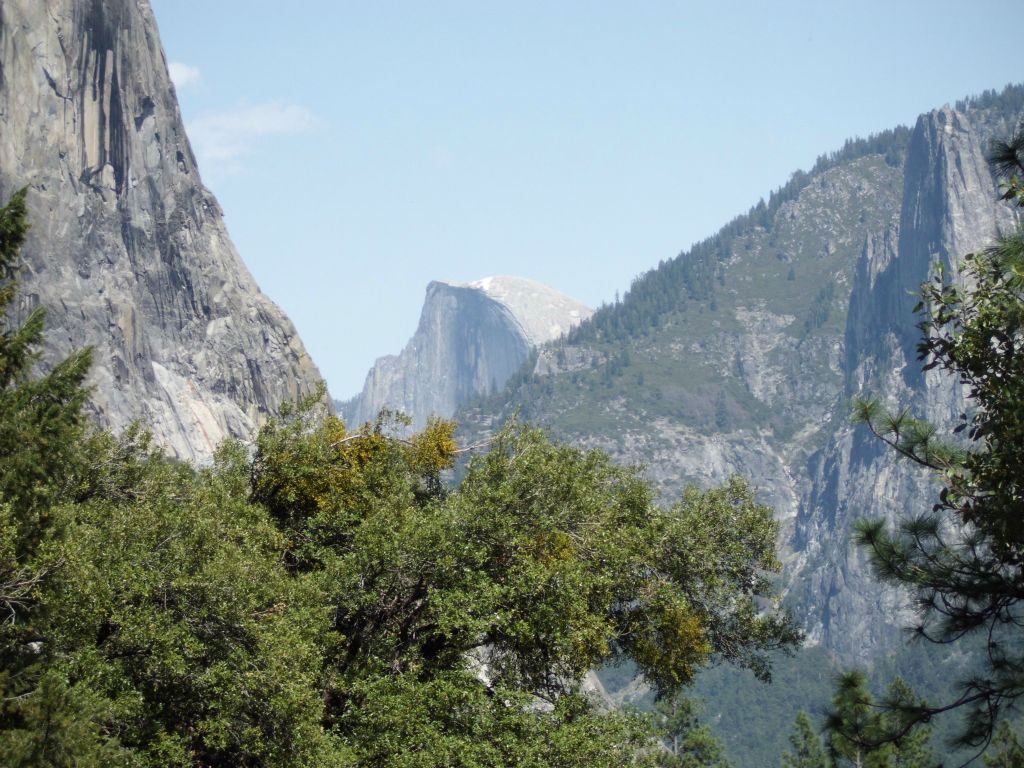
x,y
471,338
948,210
128,251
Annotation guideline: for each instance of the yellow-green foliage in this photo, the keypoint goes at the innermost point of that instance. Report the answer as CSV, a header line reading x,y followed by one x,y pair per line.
x,y
330,600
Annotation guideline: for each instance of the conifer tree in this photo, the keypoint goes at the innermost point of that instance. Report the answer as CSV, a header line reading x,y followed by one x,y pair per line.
x,y
41,426
808,751
688,743
962,558
1006,750
860,728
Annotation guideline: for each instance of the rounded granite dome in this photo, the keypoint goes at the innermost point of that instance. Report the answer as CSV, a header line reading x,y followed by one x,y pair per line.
x,y
543,313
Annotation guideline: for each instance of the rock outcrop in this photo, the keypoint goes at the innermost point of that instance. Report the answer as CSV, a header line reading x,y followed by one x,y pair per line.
x,y
471,338
812,305
948,210
128,251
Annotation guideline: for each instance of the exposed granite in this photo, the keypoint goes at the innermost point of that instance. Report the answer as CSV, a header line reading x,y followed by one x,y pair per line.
x,y
471,338
948,210
128,251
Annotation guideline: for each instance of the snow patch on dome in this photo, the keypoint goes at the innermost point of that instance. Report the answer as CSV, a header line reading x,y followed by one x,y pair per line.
x,y
542,312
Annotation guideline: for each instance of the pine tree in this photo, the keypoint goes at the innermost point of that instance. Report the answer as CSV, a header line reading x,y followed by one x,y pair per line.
x,y
41,424
688,743
40,417
863,733
970,583
808,751
1006,750
41,428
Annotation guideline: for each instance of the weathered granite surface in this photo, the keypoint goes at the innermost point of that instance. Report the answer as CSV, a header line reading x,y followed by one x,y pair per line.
x,y
128,250
471,338
948,210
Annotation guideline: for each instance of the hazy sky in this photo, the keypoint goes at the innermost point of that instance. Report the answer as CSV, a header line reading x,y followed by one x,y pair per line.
x,y
362,149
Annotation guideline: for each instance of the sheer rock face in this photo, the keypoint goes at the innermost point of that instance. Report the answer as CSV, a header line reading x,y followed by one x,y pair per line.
x,y
471,338
948,210
128,251
754,382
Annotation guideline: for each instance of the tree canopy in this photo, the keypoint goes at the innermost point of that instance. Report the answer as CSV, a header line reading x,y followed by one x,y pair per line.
x,y
328,596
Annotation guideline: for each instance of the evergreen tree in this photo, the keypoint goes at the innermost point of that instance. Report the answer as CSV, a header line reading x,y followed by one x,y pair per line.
x,y
687,742
1006,750
859,728
970,582
41,425
808,751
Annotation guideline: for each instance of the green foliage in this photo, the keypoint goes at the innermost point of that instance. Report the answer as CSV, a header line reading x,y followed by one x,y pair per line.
x,y
882,735
544,562
1009,102
808,751
58,728
171,604
41,427
1006,750
330,600
451,719
40,418
688,743
692,276
821,308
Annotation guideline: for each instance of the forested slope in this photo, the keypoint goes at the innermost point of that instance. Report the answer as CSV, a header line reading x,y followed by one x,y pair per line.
x,y
744,354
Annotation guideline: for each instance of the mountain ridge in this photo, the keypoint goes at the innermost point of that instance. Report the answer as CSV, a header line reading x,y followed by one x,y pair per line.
x,y
741,354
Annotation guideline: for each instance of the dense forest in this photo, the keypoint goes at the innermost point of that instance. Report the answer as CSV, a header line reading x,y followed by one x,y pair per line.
x,y
327,599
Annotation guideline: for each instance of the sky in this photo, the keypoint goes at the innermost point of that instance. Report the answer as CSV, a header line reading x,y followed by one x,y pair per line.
x,y
362,149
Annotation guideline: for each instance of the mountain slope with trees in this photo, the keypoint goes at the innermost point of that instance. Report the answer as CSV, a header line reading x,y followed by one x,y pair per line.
x,y
328,599
746,354
743,354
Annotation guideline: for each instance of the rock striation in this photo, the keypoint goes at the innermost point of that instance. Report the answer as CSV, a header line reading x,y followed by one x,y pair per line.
x,y
470,339
128,251
947,211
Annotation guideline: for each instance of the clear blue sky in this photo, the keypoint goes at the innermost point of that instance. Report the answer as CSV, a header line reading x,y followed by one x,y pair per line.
x,y
362,149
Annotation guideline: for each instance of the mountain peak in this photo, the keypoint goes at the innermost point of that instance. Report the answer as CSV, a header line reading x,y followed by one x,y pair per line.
x,y
543,312
470,339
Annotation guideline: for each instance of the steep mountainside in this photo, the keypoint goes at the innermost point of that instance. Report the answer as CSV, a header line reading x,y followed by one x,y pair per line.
x,y
947,211
128,250
742,354
471,338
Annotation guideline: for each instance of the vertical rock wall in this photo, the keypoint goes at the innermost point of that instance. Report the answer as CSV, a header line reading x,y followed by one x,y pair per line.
x,y
948,210
128,251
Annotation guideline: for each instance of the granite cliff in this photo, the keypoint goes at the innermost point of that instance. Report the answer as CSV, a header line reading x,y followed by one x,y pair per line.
x,y
470,339
743,354
128,250
947,211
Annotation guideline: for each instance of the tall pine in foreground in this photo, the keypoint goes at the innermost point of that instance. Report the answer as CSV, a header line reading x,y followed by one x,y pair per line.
x,y
963,557
41,426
